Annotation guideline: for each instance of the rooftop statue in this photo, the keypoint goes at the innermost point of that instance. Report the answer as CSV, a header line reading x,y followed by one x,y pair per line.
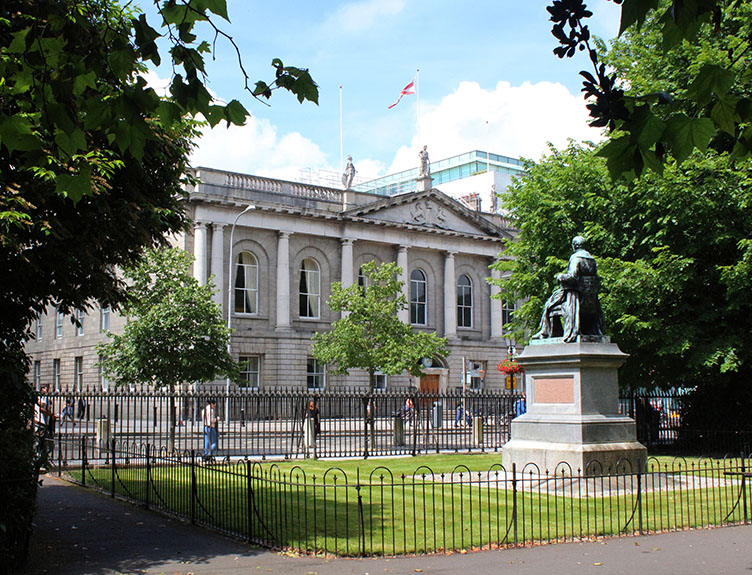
x,y
573,310
349,175
425,166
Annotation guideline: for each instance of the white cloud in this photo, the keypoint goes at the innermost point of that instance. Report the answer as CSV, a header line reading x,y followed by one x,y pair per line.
x,y
256,148
521,121
359,16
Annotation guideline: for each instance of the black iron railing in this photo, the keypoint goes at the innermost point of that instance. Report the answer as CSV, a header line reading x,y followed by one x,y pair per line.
x,y
425,511
269,423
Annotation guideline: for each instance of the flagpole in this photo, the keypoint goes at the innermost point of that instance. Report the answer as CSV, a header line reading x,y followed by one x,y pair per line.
x,y
341,145
417,106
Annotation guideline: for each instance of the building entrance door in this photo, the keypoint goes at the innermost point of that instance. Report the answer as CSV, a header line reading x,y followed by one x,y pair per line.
x,y
429,384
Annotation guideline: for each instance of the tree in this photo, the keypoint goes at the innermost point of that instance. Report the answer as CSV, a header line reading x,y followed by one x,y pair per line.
x,y
175,332
91,166
91,158
673,255
370,335
707,104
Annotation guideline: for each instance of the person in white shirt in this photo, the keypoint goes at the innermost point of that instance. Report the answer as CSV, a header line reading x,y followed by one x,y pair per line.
x,y
211,431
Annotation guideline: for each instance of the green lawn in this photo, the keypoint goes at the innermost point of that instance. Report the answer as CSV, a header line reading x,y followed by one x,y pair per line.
x,y
431,503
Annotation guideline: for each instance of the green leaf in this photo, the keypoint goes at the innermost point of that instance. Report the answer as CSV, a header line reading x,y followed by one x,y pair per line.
x,y
74,186
724,114
685,134
711,79
236,113
635,12
80,83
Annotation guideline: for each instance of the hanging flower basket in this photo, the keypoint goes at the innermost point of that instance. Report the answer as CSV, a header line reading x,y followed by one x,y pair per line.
x,y
508,367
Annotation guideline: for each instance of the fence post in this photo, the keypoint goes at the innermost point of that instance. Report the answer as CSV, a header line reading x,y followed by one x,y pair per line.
x,y
249,500
148,474
639,499
193,487
744,491
361,518
514,501
112,468
83,460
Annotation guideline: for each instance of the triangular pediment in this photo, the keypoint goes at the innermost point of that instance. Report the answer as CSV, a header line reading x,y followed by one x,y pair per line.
x,y
431,209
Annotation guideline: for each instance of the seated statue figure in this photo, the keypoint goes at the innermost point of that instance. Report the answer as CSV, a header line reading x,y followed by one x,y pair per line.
x,y
573,309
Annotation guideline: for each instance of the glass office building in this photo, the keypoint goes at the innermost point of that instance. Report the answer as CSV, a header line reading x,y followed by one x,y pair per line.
x,y
445,171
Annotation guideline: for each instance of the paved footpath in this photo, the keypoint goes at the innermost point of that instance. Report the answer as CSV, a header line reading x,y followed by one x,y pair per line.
x,y
81,532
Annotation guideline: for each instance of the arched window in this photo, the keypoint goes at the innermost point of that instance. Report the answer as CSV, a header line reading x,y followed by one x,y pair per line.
x,y
246,284
464,302
418,298
310,289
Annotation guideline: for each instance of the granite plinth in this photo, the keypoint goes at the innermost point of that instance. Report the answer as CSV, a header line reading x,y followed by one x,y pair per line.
x,y
572,420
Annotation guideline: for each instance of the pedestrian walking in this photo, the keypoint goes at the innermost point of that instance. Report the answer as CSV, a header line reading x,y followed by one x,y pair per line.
x,y
211,429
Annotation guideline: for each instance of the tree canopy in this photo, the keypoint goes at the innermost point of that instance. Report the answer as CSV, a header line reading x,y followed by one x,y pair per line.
x,y
370,335
674,109
91,157
175,331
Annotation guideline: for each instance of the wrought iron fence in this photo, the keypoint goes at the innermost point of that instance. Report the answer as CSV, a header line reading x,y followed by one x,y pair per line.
x,y
283,506
260,424
353,423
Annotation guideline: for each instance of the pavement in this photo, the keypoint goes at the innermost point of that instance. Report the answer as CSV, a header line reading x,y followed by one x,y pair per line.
x,y
82,532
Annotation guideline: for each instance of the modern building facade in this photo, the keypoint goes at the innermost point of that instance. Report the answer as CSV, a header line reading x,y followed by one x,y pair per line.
x,y
273,266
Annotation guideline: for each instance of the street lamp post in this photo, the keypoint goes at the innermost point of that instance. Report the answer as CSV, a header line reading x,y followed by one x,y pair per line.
x,y
229,305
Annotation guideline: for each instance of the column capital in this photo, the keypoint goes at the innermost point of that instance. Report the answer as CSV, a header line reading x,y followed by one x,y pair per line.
x,y
450,254
284,235
347,241
200,225
219,226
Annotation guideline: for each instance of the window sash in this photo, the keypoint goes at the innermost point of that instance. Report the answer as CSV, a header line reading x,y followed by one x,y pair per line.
x,y
418,299
315,374
309,289
250,373
246,284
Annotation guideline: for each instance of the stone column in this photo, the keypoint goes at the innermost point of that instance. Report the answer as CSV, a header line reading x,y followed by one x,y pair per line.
x,y
450,296
347,262
283,281
497,325
199,252
404,315
217,261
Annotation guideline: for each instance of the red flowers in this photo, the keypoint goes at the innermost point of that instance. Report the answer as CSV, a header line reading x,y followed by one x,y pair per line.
x,y
508,367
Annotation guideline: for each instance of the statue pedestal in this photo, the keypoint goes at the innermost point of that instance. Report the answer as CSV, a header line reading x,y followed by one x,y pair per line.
x,y
572,424
424,183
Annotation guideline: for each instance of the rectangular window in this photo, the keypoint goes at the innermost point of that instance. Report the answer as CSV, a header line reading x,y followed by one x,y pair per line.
x,y
37,374
80,315
250,371
103,381
380,383
104,318
476,373
507,311
39,328
56,374
316,374
58,324
78,373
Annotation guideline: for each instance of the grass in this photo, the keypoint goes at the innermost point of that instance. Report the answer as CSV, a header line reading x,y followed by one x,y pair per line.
x,y
434,503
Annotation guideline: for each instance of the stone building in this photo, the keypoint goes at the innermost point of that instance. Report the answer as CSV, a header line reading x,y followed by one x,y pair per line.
x,y
286,250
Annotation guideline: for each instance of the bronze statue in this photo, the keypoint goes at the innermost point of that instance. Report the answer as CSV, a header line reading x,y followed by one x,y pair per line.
x,y
573,309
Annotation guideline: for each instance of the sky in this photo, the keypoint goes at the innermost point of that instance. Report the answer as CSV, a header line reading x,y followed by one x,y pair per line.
x,y
487,80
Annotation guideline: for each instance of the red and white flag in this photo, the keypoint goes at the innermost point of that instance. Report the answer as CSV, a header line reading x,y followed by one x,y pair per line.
x,y
406,91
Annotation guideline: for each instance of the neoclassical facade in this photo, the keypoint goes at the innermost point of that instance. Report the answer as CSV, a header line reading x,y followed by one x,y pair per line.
x,y
273,248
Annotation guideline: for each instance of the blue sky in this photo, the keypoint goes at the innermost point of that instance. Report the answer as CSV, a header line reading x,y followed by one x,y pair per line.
x,y
488,80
